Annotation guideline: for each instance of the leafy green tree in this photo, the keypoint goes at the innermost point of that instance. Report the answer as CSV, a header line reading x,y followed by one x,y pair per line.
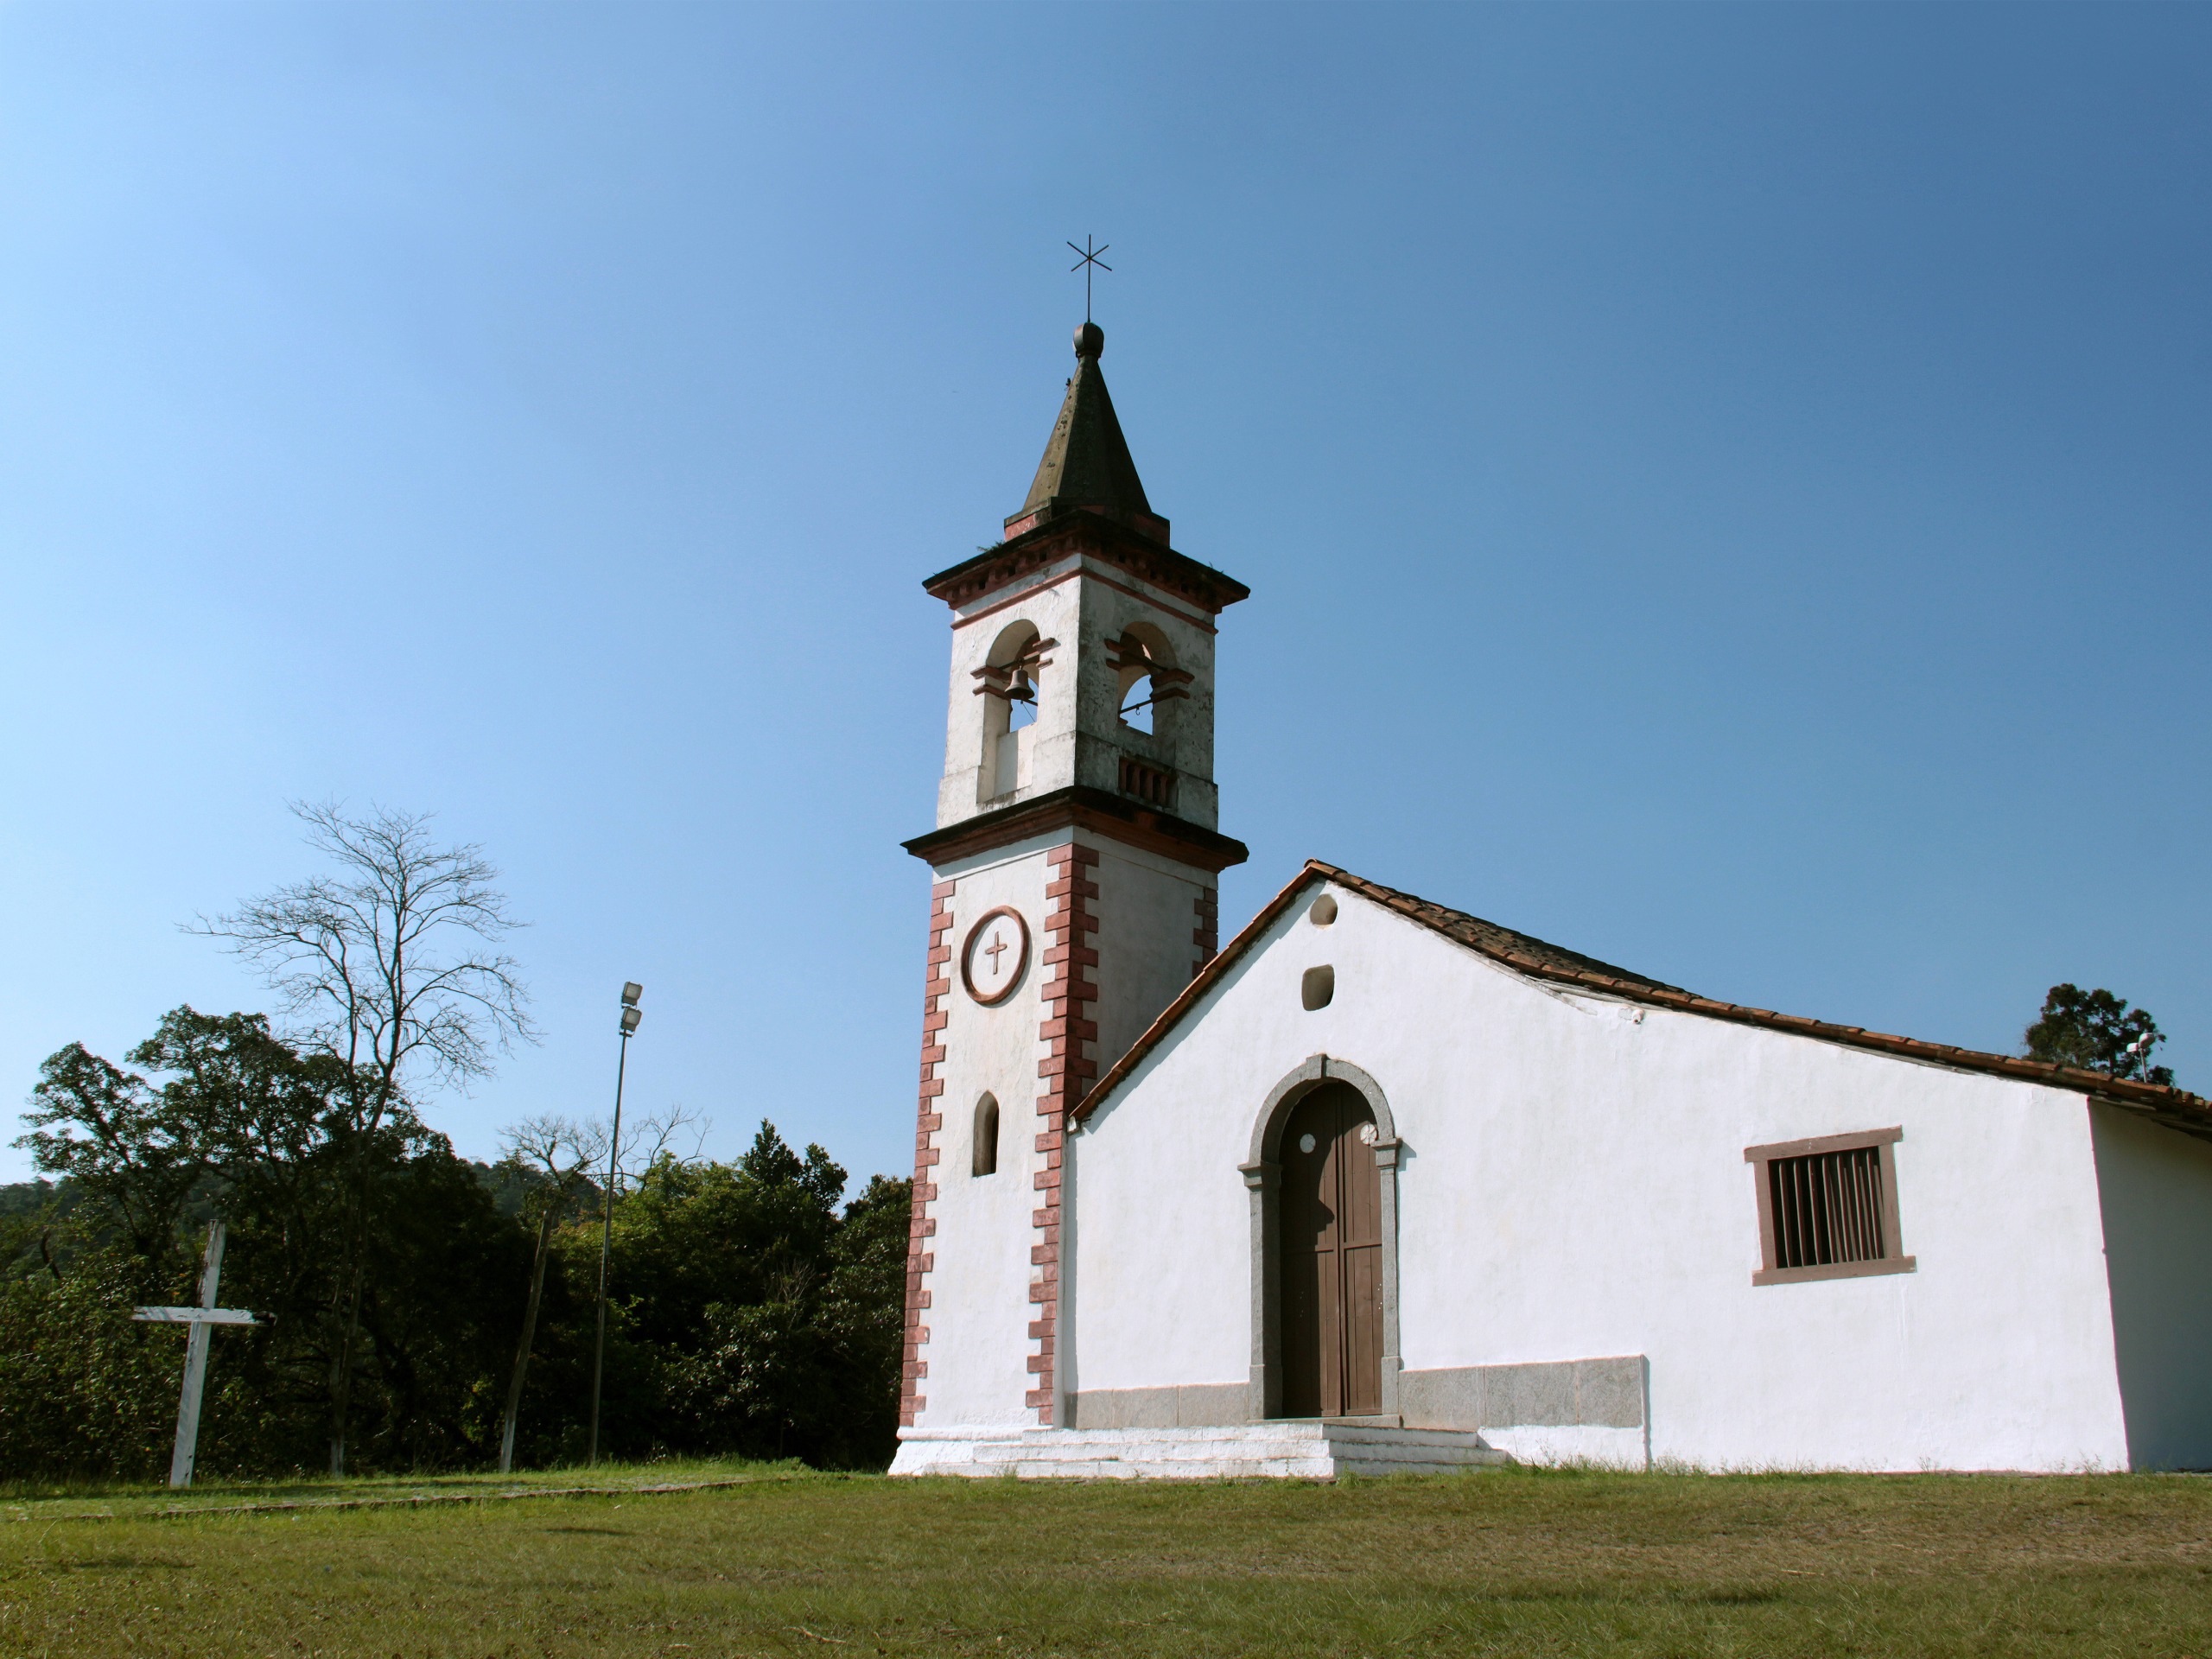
x,y
689,1234
755,1312
2096,1031
862,1316
747,1315
113,1137
444,1285
30,1214
240,1123
86,1393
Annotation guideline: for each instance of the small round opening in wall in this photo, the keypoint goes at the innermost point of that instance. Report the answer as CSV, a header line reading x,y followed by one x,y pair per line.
x,y
1323,912
1317,988
1305,1143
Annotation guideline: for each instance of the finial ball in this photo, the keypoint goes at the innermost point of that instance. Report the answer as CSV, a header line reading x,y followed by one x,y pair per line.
x,y
1089,340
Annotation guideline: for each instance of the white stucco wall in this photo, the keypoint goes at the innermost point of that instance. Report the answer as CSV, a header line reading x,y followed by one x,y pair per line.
x,y
980,1310
1573,1185
2156,1188
1145,939
1576,1443
979,1282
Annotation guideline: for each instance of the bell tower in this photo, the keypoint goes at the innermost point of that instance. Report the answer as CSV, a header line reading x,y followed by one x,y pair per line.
x,y
1074,858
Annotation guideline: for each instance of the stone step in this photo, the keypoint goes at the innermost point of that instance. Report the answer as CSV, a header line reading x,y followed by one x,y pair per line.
x,y
1308,1449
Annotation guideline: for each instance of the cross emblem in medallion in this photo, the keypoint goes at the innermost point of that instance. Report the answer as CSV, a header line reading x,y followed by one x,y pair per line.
x,y
993,959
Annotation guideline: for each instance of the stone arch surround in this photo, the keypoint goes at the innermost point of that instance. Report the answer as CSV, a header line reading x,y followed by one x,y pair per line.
x,y
1263,1174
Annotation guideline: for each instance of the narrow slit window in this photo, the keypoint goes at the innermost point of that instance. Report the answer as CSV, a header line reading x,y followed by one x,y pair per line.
x,y
1829,1208
984,1158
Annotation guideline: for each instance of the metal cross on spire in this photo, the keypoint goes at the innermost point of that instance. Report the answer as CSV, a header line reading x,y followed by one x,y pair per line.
x,y
1089,258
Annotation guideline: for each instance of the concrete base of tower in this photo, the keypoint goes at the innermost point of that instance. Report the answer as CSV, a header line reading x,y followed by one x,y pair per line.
x,y
1293,1449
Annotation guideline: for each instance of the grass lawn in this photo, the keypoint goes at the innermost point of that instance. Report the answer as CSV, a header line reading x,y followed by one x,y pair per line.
x,y
1509,1561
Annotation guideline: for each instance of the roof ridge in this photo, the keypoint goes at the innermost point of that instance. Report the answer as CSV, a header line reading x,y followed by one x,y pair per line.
x,y
2175,1107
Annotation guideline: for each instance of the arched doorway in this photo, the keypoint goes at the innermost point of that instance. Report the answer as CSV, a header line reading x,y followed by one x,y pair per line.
x,y
1329,1252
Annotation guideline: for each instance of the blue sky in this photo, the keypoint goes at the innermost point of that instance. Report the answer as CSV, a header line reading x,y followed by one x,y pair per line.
x,y
1725,489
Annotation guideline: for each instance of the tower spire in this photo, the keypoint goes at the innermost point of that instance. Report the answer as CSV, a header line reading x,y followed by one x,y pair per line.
x,y
1087,463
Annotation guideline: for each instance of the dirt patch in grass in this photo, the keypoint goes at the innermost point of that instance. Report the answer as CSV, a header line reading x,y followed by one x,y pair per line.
x,y
1508,1562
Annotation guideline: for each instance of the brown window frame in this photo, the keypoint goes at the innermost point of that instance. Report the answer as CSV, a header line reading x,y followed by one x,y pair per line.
x,y
1894,1261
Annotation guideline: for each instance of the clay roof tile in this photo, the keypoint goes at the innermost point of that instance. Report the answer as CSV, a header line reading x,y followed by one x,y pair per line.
x,y
2176,1108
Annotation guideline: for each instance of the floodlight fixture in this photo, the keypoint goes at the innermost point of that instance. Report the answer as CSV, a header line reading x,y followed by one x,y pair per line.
x,y
631,992
631,1017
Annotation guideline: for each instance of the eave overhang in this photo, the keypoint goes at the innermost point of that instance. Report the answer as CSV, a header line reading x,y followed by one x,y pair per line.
x,y
1081,807
1079,530
2174,1108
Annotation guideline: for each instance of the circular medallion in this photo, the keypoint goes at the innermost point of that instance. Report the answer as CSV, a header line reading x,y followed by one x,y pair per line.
x,y
996,952
1306,1143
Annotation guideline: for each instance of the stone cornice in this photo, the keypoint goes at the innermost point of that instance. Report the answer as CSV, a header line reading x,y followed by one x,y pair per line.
x,y
1101,538
1082,807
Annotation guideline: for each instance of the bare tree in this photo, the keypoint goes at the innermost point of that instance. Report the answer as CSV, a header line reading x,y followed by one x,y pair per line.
x,y
558,1156
390,963
654,1135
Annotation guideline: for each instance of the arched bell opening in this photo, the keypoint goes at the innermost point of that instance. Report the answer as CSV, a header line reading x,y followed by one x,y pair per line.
x,y
1009,684
1148,686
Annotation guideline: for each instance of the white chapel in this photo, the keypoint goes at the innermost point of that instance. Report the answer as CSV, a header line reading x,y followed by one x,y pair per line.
x,y
1377,1185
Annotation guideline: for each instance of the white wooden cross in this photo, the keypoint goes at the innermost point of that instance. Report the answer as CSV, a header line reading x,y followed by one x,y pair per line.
x,y
195,1352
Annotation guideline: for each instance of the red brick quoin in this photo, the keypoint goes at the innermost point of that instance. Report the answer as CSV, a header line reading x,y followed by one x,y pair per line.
x,y
1207,935
1069,1033
936,987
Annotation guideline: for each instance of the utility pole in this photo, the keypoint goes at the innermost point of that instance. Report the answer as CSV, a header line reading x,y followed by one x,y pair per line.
x,y
631,1018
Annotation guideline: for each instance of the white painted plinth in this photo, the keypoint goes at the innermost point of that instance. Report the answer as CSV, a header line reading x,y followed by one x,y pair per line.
x,y
1297,1449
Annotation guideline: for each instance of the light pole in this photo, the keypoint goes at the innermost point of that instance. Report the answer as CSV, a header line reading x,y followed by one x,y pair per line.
x,y
630,1016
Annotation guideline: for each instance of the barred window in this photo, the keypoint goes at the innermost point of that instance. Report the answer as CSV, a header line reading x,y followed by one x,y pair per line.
x,y
1829,1208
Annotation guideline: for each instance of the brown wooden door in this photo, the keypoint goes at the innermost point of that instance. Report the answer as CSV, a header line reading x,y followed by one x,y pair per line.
x,y
1331,1257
